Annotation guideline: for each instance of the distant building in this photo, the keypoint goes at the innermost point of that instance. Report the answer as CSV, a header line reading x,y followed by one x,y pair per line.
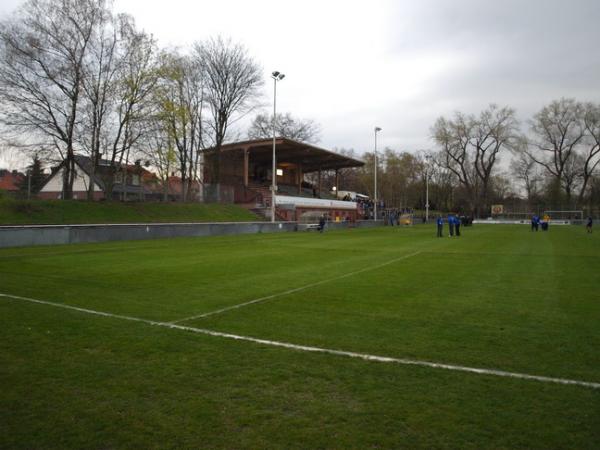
x,y
10,180
130,183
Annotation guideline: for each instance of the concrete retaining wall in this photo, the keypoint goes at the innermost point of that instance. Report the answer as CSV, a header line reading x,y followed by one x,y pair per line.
x,y
523,222
357,224
21,236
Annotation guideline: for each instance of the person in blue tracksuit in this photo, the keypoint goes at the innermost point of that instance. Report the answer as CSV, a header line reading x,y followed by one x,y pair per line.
x,y
457,225
450,225
535,223
440,226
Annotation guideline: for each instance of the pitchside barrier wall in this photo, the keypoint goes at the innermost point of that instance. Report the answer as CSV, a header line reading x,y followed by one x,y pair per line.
x,y
27,235
524,222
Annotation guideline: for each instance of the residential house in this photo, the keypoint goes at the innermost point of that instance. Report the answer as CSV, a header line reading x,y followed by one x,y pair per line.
x,y
10,181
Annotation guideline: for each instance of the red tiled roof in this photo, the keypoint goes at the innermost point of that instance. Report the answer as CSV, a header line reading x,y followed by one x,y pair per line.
x,y
10,181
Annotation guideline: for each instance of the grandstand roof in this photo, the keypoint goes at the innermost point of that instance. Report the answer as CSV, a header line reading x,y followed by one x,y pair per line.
x,y
289,151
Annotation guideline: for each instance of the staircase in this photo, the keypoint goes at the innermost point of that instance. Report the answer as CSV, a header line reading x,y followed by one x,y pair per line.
x,y
261,211
262,207
263,193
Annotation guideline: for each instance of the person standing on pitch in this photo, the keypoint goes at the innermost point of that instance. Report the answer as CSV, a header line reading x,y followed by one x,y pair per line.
x,y
450,225
588,226
535,223
322,223
440,226
457,225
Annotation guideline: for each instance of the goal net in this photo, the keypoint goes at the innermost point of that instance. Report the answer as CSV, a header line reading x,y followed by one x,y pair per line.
x,y
573,216
507,215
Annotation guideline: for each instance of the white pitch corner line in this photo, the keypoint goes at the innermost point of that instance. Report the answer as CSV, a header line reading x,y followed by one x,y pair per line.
x,y
305,348
294,290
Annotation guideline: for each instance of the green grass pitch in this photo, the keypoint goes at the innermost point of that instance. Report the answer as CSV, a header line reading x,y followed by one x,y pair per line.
x,y
499,297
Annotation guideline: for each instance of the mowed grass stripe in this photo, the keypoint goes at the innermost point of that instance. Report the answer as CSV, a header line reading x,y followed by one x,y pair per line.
x,y
487,311
204,274
298,289
73,381
306,348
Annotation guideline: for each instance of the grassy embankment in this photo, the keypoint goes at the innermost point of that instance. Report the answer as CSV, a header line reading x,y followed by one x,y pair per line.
x,y
24,212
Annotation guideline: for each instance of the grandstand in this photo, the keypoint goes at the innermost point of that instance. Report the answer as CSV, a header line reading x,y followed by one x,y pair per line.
x,y
246,177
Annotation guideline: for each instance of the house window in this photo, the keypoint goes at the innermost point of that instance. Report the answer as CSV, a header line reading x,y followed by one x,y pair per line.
x,y
135,180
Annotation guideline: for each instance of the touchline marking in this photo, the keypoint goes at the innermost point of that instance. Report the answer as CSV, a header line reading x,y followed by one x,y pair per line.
x,y
298,289
305,348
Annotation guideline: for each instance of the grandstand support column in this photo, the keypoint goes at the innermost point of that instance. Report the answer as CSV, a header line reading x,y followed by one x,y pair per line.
x,y
246,164
300,176
319,183
337,182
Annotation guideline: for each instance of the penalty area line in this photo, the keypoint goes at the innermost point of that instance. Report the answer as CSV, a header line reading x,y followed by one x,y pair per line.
x,y
306,348
294,290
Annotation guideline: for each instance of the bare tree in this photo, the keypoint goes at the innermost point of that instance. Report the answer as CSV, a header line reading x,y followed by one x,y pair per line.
x,y
558,129
100,68
349,178
180,100
526,170
496,129
232,82
443,182
454,138
470,148
303,130
136,78
43,50
591,157
502,188
158,149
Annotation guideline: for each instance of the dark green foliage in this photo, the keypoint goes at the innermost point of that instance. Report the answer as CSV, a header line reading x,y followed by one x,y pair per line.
x,y
34,178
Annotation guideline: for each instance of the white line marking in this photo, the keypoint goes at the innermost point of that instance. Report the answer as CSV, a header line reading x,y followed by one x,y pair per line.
x,y
305,348
292,291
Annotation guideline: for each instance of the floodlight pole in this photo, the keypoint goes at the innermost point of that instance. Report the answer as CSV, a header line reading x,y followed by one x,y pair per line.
x,y
427,166
29,184
377,129
277,76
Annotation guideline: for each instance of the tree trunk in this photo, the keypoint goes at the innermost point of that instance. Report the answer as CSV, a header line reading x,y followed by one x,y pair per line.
x,y
69,175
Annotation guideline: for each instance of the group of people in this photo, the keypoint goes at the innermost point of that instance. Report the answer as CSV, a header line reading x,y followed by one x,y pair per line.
x,y
366,207
537,223
393,216
454,225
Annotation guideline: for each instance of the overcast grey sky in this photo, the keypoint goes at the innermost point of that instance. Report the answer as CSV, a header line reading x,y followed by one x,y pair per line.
x,y
352,65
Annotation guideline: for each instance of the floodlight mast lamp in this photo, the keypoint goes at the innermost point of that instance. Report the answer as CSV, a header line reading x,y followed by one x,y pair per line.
x,y
277,76
377,130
